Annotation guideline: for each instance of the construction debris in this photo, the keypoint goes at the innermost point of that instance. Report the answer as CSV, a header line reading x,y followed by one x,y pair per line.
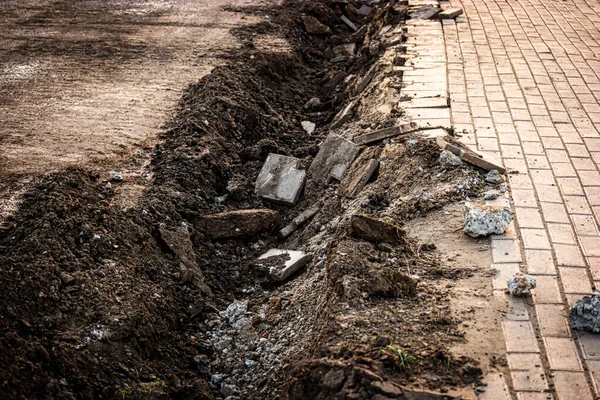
x,y
314,26
493,177
365,10
360,172
280,179
334,158
282,264
520,284
471,157
450,13
349,23
308,126
237,223
375,230
483,220
344,115
298,222
313,103
385,133
585,314
448,160
425,12
366,79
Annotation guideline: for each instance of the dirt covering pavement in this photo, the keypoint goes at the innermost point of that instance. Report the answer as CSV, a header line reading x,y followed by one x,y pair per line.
x,y
104,298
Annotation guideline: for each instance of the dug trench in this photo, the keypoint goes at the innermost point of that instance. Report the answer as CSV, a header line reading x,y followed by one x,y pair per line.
x,y
154,300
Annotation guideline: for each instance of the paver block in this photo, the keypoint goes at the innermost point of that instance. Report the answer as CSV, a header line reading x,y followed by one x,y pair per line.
x,y
450,13
425,12
283,263
568,255
590,345
519,336
425,102
334,158
237,223
575,280
280,179
562,354
385,133
529,380
552,320
546,291
360,173
506,251
571,385
524,361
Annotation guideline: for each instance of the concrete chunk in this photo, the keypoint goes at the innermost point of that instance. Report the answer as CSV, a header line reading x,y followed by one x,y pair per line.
x,y
237,223
450,13
344,115
483,220
283,263
366,79
280,179
520,284
384,133
334,158
425,12
365,10
585,314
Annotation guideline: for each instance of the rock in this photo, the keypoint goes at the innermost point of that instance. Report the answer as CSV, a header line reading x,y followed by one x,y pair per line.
x,y
360,172
520,284
237,223
349,23
236,314
314,26
483,220
228,390
334,158
450,13
313,103
448,160
116,177
333,379
347,49
425,12
385,133
493,177
375,230
374,48
283,263
388,388
344,115
299,221
412,146
308,126
365,10
280,179
491,195
585,314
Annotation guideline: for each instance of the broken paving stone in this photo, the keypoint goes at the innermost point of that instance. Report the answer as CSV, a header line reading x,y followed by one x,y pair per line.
x,y
297,222
314,26
283,263
280,179
585,314
493,177
481,220
362,84
376,230
450,13
308,126
520,284
471,157
344,115
360,172
237,223
425,12
334,158
349,23
384,133
448,160
347,49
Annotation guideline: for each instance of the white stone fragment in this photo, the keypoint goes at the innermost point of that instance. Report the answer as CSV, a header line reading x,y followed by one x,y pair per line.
x,y
483,220
308,126
520,284
281,268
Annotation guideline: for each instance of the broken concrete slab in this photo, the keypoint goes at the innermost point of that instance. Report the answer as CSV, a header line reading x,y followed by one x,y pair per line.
x,y
314,26
450,13
425,12
376,230
384,133
280,179
237,223
360,172
585,314
282,264
344,115
448,160
469,156
520,284
297,222
334,158
349,23
481,220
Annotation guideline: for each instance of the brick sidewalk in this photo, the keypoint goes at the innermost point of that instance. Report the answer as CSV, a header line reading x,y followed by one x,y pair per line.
x,y
524,84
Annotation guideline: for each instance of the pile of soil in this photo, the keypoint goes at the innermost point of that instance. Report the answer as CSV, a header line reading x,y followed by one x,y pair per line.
x,y
100,302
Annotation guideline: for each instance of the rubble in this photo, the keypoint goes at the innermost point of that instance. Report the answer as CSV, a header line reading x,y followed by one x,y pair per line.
x,y
585,314
450,13
520,284
349,23
334,158
365,10
448,160
471,157
280,179
375,230
425,12
237,223
366,79
283,263
313,103
344,115
314,26
297,222
360,172
385,133
483,220
493,177
308,126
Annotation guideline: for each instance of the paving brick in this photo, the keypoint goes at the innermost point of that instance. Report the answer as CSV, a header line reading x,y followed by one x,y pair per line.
x,y
554,212
594,263
552,320
495,388
571,385
540,262
594,368
524,361
535,239
593,195
529,217
506,251
534,396
524,197
519,337
575,280
589,178
590,345
568,255
563,170
548,193
561,233
505,272
577,205
590,245
562,354
533,380
546,291
570,186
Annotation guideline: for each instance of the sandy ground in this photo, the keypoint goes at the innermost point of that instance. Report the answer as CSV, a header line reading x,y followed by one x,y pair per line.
x,y
86,81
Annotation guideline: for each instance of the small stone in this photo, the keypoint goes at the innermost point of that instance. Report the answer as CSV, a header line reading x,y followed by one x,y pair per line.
x,y
493,177
520,284
491,195
116,177
365,10
448,160
308,126
314,26
483,220
349,23
585,314
313,103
